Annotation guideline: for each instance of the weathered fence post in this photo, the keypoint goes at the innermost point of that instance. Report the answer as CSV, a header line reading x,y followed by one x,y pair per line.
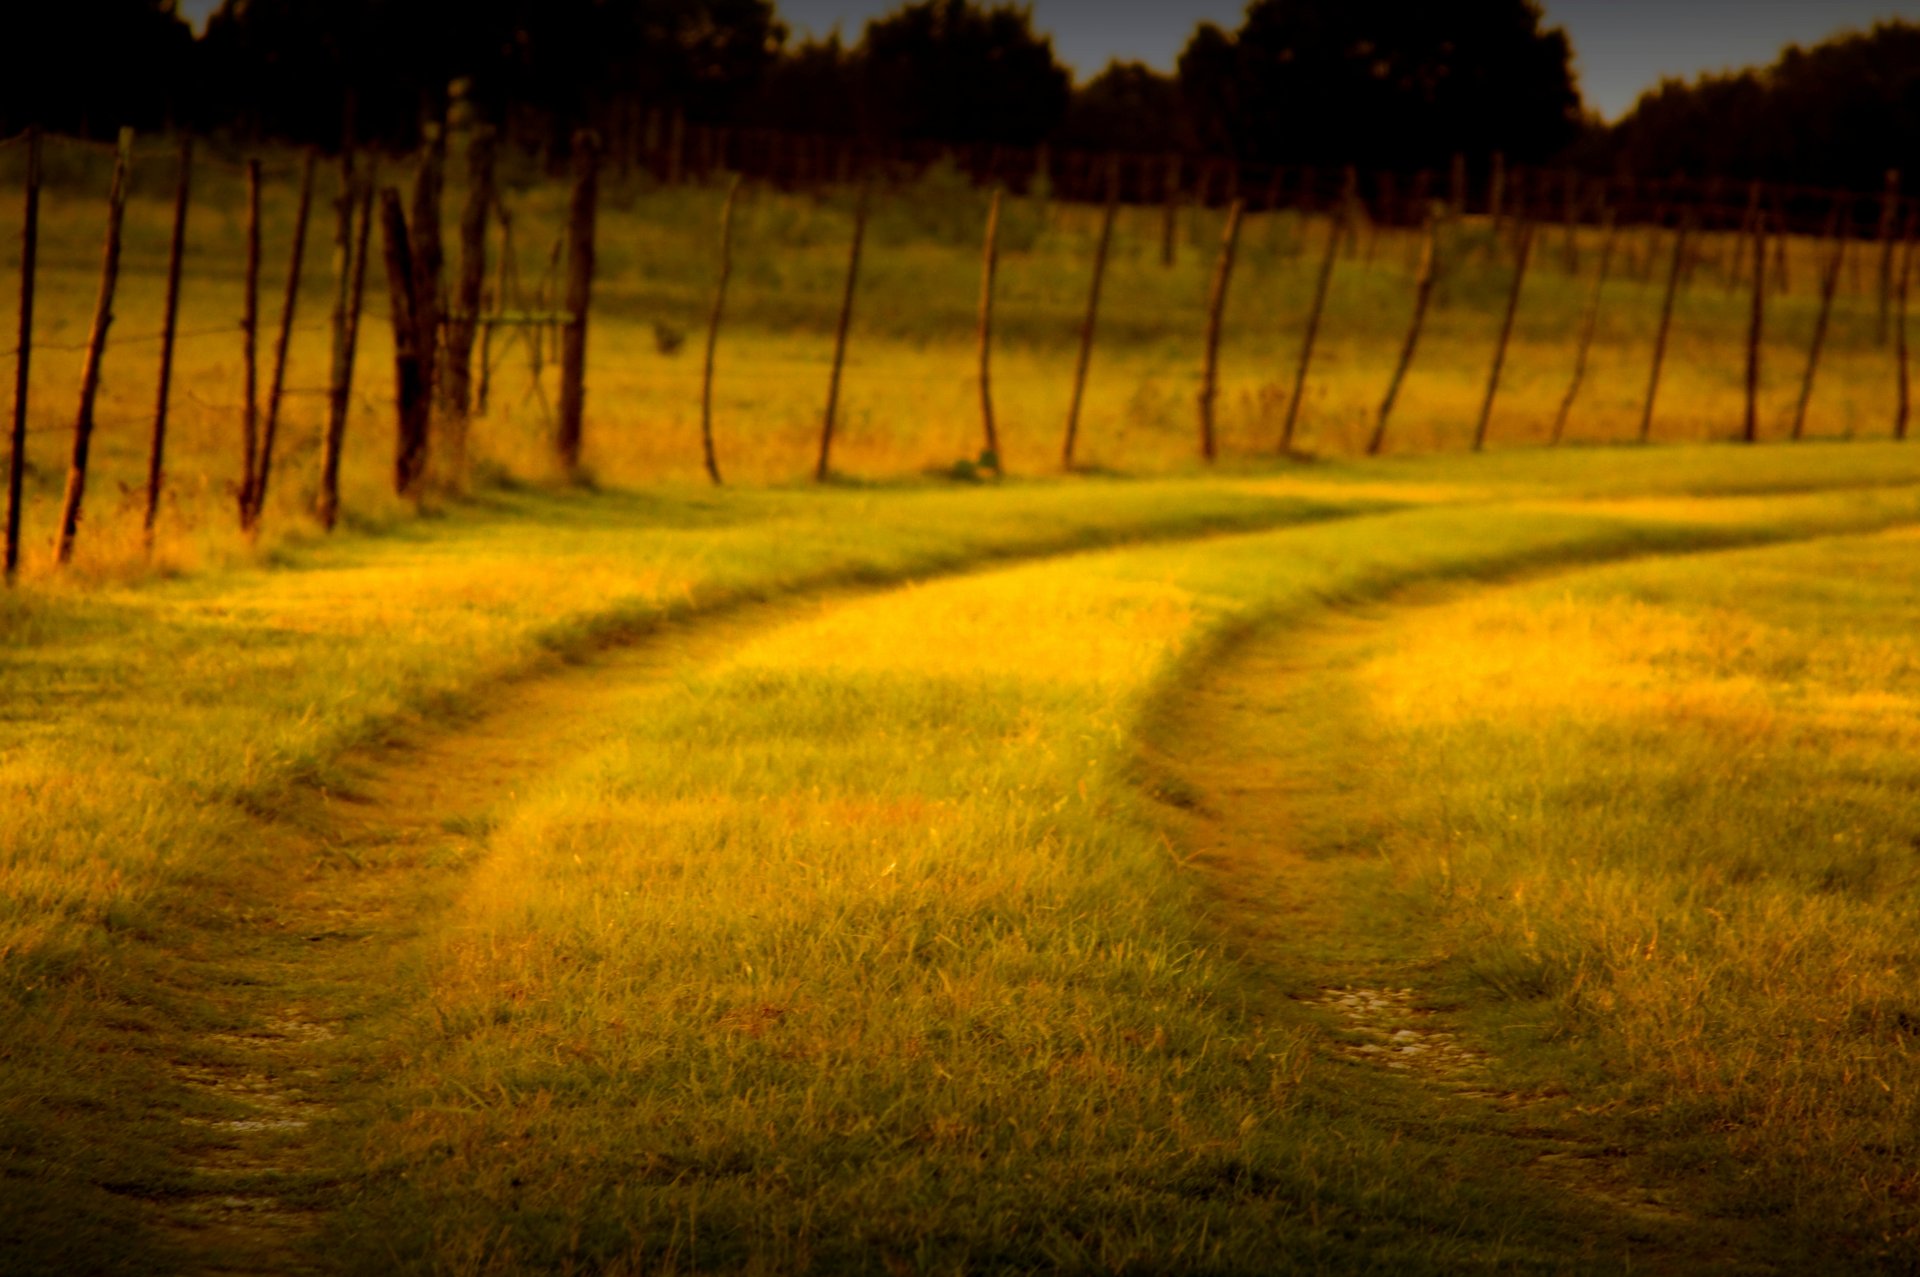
x,y
989,265
1091,318
1589,326
1904,408
1423,295
1889,225
1169,222
250,346
713,329
327,506
573,350
96,352
1525,253
176,252
1322,286
257,499
463,326
1216,314
429,259
823,467
1666,326
1756,328
23,358
411,385
1829,283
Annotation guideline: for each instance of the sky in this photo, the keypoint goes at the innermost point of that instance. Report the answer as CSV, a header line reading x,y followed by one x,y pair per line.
x,y
1621,47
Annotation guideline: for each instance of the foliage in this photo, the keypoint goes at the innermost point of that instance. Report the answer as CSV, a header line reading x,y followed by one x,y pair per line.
x,y
1835,115
1402,84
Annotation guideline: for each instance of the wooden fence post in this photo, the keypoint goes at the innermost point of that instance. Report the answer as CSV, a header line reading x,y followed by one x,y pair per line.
x,y
429,257
1756,328
1216,314
989,265
500,275
96,352
1571,216
169,323
1169,222
250,346
713,330
1525,253
341,398
573,350
257,499
822,468
463,326
1335,234
1829,283
1666,327
23,358
1589,326
1901,291
1093,313
1423,295
409,360
1889,225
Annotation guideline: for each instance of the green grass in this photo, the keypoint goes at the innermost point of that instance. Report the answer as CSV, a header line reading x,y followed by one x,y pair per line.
x,y
858,939
1651,826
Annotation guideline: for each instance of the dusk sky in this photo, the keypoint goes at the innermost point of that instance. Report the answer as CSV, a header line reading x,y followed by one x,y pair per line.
x,y
1622,46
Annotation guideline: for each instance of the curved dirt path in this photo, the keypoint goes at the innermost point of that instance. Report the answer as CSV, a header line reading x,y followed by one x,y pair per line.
x,y
1242,785
303,944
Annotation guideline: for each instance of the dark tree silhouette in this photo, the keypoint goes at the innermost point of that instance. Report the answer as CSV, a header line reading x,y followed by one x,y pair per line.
x,y
1839,114
92,66
954,71
284,68
1127,107
1382,83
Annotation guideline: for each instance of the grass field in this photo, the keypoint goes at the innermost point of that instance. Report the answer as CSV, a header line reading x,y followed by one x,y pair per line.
x,y
941,877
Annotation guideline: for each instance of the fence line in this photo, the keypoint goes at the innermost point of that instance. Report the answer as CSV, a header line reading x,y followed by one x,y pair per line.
x,y
1503,218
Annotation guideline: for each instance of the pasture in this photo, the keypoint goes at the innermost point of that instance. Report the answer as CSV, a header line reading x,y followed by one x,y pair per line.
x,y
1427,863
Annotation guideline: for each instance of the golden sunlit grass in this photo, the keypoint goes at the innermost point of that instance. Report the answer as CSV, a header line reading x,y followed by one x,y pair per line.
x,y
1649,829
853,945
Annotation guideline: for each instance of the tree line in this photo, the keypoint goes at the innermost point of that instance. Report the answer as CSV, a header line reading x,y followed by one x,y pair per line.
x,y
1383,84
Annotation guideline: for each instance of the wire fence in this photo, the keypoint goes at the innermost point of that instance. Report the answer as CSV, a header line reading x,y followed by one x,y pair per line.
x,y
1391,258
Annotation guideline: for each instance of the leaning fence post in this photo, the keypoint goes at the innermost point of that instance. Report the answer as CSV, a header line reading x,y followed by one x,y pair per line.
x,y
1757,326
1525,253
1889,225
257,499
23,358
1216,314
713,329
1666,326
176,251
822,468
989,264
1829,282
1423,295
573,350
1169,221
328,502
409,360
250,345
1589,326
96,352
464,324
1901,292
1335,234
1092,316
